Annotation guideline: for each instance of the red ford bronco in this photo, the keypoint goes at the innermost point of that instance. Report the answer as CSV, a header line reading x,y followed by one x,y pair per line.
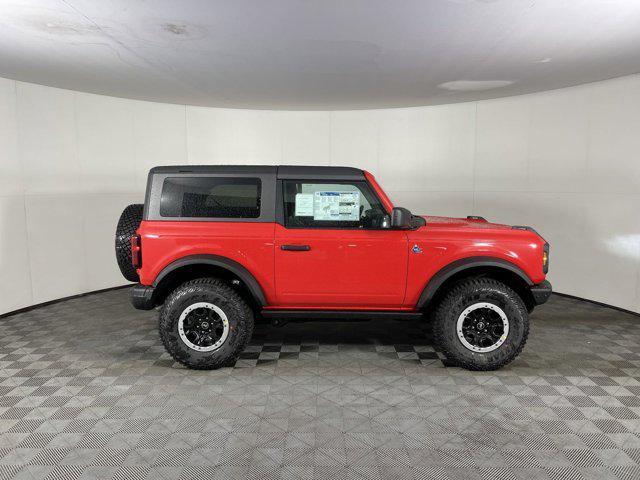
x,y
218,246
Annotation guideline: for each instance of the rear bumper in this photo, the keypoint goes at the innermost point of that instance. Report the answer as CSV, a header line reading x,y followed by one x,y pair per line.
x,y
541,292
142,297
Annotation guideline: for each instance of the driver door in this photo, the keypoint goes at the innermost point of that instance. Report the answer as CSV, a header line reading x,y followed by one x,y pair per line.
x,y
334,250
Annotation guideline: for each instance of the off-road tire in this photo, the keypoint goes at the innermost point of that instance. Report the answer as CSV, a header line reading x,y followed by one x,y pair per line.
x,y
238,312
127,225
469,292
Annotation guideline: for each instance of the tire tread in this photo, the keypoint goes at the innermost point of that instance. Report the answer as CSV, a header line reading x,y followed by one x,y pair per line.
x,y
447,305
201,285
127,225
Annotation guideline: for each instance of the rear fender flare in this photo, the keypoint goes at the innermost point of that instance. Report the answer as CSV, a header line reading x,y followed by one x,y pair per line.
x,y
431,288
218,261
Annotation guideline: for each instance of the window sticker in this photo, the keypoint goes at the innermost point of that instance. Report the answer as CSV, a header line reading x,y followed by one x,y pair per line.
x,y
337,206
304,205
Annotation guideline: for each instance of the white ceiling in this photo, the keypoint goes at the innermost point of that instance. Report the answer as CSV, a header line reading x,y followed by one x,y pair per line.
x,y
317,54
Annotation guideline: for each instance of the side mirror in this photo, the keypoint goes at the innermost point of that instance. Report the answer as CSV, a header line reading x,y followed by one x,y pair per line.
x,y
401,218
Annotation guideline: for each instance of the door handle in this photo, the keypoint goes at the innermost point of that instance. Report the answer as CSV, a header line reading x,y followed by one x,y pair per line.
x,y
295,248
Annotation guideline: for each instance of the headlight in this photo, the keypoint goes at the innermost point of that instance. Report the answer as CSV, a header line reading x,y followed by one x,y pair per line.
x,y
545,258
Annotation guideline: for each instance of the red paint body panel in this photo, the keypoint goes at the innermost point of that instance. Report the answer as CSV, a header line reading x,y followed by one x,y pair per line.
x,y
344,269
249,244
445,242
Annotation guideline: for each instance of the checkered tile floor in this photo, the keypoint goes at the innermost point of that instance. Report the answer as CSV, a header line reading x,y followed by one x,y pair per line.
x,y
87,391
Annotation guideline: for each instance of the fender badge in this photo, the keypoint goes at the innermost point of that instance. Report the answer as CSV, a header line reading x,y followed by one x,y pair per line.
x,y
416,249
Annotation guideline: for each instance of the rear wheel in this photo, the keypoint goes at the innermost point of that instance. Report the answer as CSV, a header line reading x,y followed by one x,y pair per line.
x,y
481,324
204,324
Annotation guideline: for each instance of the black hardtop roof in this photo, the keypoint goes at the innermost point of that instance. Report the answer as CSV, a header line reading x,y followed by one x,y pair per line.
x,y
281,171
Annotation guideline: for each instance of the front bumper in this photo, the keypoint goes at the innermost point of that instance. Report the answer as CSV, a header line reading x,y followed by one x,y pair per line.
x,y
541,292
142,297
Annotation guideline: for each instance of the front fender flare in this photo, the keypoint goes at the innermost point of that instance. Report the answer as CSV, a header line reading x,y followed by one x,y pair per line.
x,y
458,266
218,261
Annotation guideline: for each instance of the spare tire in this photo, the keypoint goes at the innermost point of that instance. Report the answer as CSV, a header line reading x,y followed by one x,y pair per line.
x,y
127,226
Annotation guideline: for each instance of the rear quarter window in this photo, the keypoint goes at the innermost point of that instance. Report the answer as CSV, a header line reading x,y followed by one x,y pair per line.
x,y
210,197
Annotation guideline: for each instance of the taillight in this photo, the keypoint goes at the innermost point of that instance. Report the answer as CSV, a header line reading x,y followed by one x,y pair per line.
x,y
545,258
136,251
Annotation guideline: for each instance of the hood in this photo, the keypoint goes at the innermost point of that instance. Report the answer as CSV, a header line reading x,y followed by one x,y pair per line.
x,y
469,222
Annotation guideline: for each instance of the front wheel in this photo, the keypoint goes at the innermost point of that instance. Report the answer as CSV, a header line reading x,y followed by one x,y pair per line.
x,y
204,324
481,324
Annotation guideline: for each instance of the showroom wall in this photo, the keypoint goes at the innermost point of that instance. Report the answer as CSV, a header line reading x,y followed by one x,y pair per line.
x,y
564,161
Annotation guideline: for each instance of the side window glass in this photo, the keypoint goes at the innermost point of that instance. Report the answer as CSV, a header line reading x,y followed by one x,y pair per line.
x,y
331,205
210,197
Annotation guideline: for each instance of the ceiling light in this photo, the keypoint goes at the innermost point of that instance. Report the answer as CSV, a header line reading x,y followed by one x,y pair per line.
x,y
474,85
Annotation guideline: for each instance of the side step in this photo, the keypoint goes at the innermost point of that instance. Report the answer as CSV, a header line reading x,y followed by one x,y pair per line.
x,y
340,314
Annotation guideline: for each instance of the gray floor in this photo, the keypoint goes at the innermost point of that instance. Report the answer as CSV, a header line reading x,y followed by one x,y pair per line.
x,y
88,392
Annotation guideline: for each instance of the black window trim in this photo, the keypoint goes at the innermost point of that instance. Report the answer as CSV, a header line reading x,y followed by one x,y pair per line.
x,y
267,197
280,211
219,181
